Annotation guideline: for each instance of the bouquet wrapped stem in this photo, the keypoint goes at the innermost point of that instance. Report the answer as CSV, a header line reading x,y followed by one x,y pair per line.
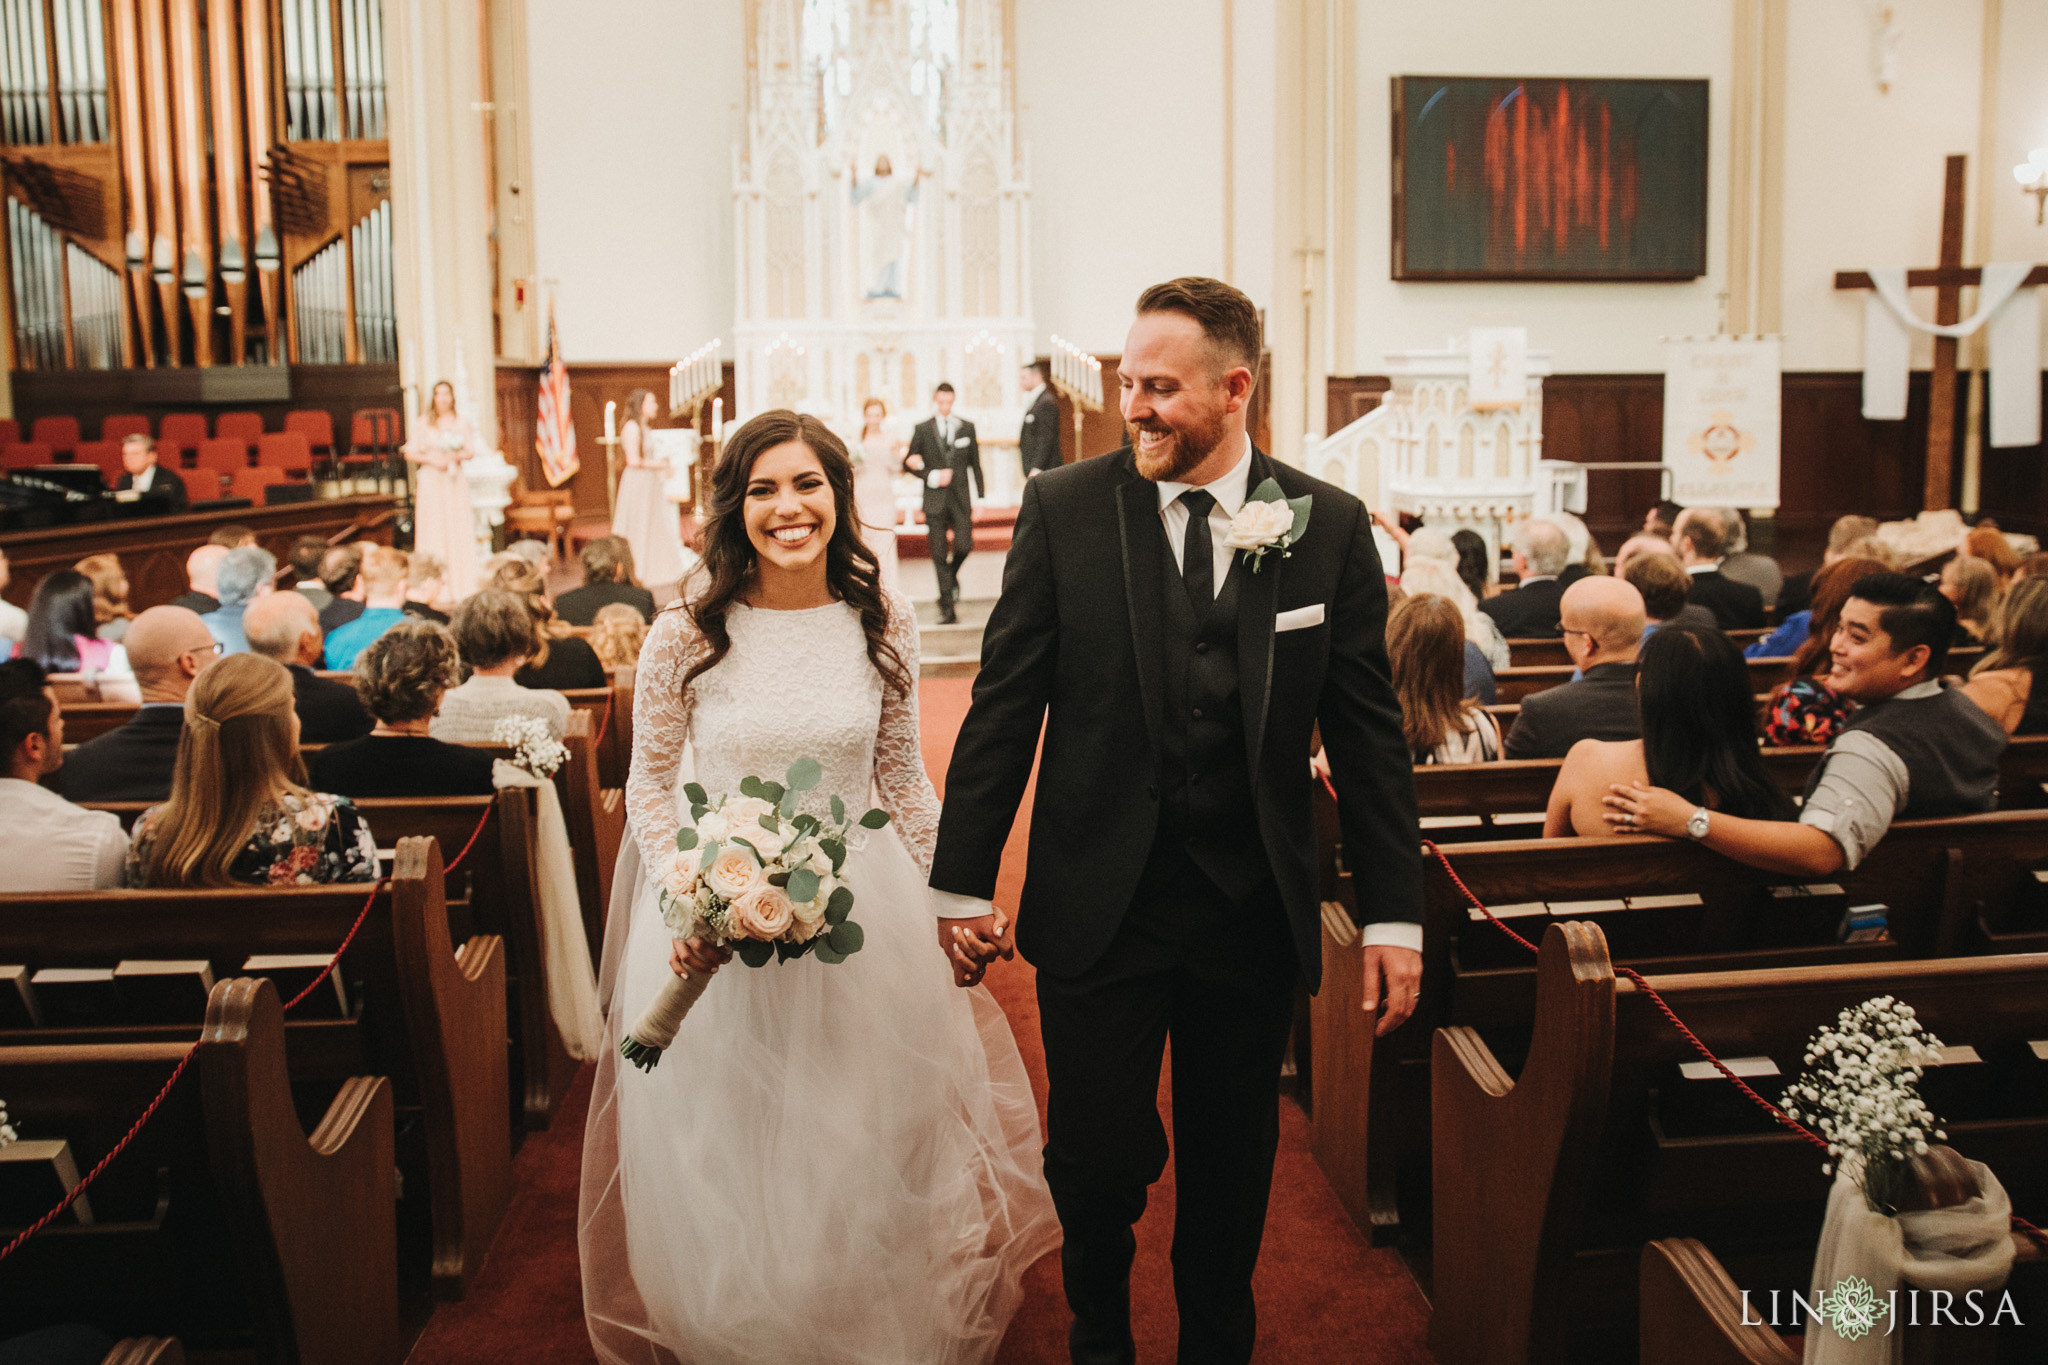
x,y
659,1023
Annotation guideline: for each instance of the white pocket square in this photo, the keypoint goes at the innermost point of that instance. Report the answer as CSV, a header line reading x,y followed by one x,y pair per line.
x,y
1301,618
960,441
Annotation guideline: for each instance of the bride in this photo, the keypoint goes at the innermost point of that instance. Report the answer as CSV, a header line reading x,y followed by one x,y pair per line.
x,y
833,1162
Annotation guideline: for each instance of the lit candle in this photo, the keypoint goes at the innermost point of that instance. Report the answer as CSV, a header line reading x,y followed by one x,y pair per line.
x,y
611,420
717,420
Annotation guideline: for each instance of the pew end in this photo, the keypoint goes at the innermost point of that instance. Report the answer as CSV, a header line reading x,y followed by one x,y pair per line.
x,y
1691,1312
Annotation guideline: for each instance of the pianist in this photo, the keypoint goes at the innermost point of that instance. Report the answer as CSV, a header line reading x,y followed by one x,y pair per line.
x,y
146,476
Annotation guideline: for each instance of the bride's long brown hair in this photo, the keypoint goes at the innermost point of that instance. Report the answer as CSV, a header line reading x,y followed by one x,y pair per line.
x,y
851,570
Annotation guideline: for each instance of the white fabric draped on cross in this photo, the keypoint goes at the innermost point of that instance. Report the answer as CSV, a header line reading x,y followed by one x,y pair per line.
x,y
2013,339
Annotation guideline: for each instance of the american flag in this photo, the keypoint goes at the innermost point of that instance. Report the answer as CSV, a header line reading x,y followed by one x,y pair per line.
x,y
554,435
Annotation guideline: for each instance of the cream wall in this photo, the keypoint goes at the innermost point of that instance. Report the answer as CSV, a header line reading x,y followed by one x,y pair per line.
x,y
635,109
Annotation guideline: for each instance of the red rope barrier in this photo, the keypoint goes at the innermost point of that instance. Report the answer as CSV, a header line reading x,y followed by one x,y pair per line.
x,y
193,1051
1636,978
604,724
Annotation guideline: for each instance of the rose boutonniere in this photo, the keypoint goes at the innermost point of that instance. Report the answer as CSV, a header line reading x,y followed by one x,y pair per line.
x,y
1269,520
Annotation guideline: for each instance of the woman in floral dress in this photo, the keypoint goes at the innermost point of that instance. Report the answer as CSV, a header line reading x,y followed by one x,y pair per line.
x,y
239,813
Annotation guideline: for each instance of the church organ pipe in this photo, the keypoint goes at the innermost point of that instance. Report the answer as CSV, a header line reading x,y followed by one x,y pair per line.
x,y
227,171
81,71
376,318
28,72
374,16
36,274
256,68
95,305
194,267
134,172
163,176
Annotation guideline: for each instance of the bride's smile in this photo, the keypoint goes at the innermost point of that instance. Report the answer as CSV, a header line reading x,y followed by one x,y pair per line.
x,y
790,514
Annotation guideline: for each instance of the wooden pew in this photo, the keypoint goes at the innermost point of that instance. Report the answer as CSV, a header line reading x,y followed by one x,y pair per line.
x,y
611,717
223,1221
1951,886
1530,652
426,1014
1549,1183
1692,1314
1511,685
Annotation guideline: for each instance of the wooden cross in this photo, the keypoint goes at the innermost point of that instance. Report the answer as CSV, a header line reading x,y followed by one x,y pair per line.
x,y
1948,280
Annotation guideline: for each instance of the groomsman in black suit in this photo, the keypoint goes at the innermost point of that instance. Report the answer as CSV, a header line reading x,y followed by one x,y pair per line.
x,y
146,476
1176,680
943,451
1038,440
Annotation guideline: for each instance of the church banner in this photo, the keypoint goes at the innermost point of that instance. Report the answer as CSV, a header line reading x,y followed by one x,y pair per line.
x,y
1721,420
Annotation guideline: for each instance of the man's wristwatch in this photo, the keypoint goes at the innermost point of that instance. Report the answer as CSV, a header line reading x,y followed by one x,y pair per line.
x,y
1696,825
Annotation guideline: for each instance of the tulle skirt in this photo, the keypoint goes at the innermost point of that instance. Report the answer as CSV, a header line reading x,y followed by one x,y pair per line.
x,y
444,528
833,1163
650,524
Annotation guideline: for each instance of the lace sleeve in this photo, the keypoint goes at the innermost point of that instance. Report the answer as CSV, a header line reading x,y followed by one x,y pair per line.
x,y
661,727
900,776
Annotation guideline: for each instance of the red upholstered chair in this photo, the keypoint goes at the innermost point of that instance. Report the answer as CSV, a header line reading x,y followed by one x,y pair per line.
x,y
58,433
284,450
178,438
124,424
250,483
315,424
105,454
10,431
246,427
376,429
220,460
26,454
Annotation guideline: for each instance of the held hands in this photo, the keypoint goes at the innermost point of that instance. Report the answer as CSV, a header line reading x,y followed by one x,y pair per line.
x,y
941,478
1392,975
697,955
971,944
1638,808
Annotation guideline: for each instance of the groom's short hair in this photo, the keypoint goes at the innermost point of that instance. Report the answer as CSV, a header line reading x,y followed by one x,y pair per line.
x,y
1227,316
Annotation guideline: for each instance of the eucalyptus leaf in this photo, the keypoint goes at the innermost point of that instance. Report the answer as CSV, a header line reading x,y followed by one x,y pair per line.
x,y
749,847
874,819
710,855
698,812
753,786
1300,507
754,952
696,794
771,824
1268,491
686,839
838,811
827,953
803,886
806,824
839,906
771,791
835,849
846,938
788,804
785,950
804,774
778,879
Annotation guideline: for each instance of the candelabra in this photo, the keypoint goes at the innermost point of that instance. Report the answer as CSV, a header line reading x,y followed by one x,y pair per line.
x,y
1078,375
2033,177
692,381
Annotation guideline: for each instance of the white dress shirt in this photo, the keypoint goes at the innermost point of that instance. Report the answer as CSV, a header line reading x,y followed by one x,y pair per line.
x,y
1230,491
48,844
141,482
13,622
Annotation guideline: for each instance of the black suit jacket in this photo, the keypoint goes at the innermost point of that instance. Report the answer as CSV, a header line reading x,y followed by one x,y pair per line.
x,y
936,454
1737,606
1528,612
329,711
167,484
1076,644
1601,705
579,606
131,763
1038,440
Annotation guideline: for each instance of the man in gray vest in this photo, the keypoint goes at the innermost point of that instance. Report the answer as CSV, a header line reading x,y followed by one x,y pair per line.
x,y
1915,751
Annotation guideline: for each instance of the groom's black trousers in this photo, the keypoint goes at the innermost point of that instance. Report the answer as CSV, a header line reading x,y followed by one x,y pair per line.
x,y
1219,980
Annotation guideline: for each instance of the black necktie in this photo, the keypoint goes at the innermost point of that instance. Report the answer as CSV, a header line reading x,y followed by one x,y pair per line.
x,y
1197,560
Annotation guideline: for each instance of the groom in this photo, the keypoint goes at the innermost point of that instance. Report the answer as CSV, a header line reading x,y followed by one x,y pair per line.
x,y
1172,886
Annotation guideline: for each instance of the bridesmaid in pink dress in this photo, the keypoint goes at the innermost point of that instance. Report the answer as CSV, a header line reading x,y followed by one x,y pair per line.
x,y
443,527
875,462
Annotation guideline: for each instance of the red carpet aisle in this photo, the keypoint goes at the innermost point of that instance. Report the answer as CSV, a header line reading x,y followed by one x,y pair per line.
x,y
1325,1297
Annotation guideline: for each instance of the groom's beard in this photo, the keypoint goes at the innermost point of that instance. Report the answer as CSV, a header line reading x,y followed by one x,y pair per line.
x,y
1183,449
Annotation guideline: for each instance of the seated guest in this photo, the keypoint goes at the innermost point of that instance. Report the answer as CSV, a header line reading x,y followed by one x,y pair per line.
x,y
145,476
109,595
1987,543
13,620
496,632
307,552
402,676
1702,539
233,536
1808,710
1971,586
1699,739
239,813
2003,681
1475,563
62,630
423,575
1529,610
1797,594
607,578
200,567
283,626
46,843
341,572
1603,627
1661,519
167,647
1746,566
383,576
1426,647
1484,644
619,631
562,661
1582,551
1915,751
1664,584
245,575
1636,546
2033,566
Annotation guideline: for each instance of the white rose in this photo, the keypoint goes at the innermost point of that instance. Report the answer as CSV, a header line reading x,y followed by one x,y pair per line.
x,y
1259,523
733,873
747,810
768,845
681,877
711,827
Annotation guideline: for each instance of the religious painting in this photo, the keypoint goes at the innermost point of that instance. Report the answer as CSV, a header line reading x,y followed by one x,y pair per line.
x,y
1506,178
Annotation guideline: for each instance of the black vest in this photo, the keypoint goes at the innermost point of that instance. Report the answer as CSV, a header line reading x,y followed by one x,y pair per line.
x,y
1950,749
1206,810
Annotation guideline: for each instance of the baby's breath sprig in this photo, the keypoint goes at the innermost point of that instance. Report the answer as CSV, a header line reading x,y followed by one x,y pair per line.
x,y
534,746
1860,1088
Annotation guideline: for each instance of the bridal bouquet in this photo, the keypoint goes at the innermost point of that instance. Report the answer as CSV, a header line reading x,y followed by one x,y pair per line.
x,y
752,872
1861,1090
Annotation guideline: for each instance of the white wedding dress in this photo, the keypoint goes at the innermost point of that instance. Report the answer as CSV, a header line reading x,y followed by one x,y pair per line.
x,y
832,1163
